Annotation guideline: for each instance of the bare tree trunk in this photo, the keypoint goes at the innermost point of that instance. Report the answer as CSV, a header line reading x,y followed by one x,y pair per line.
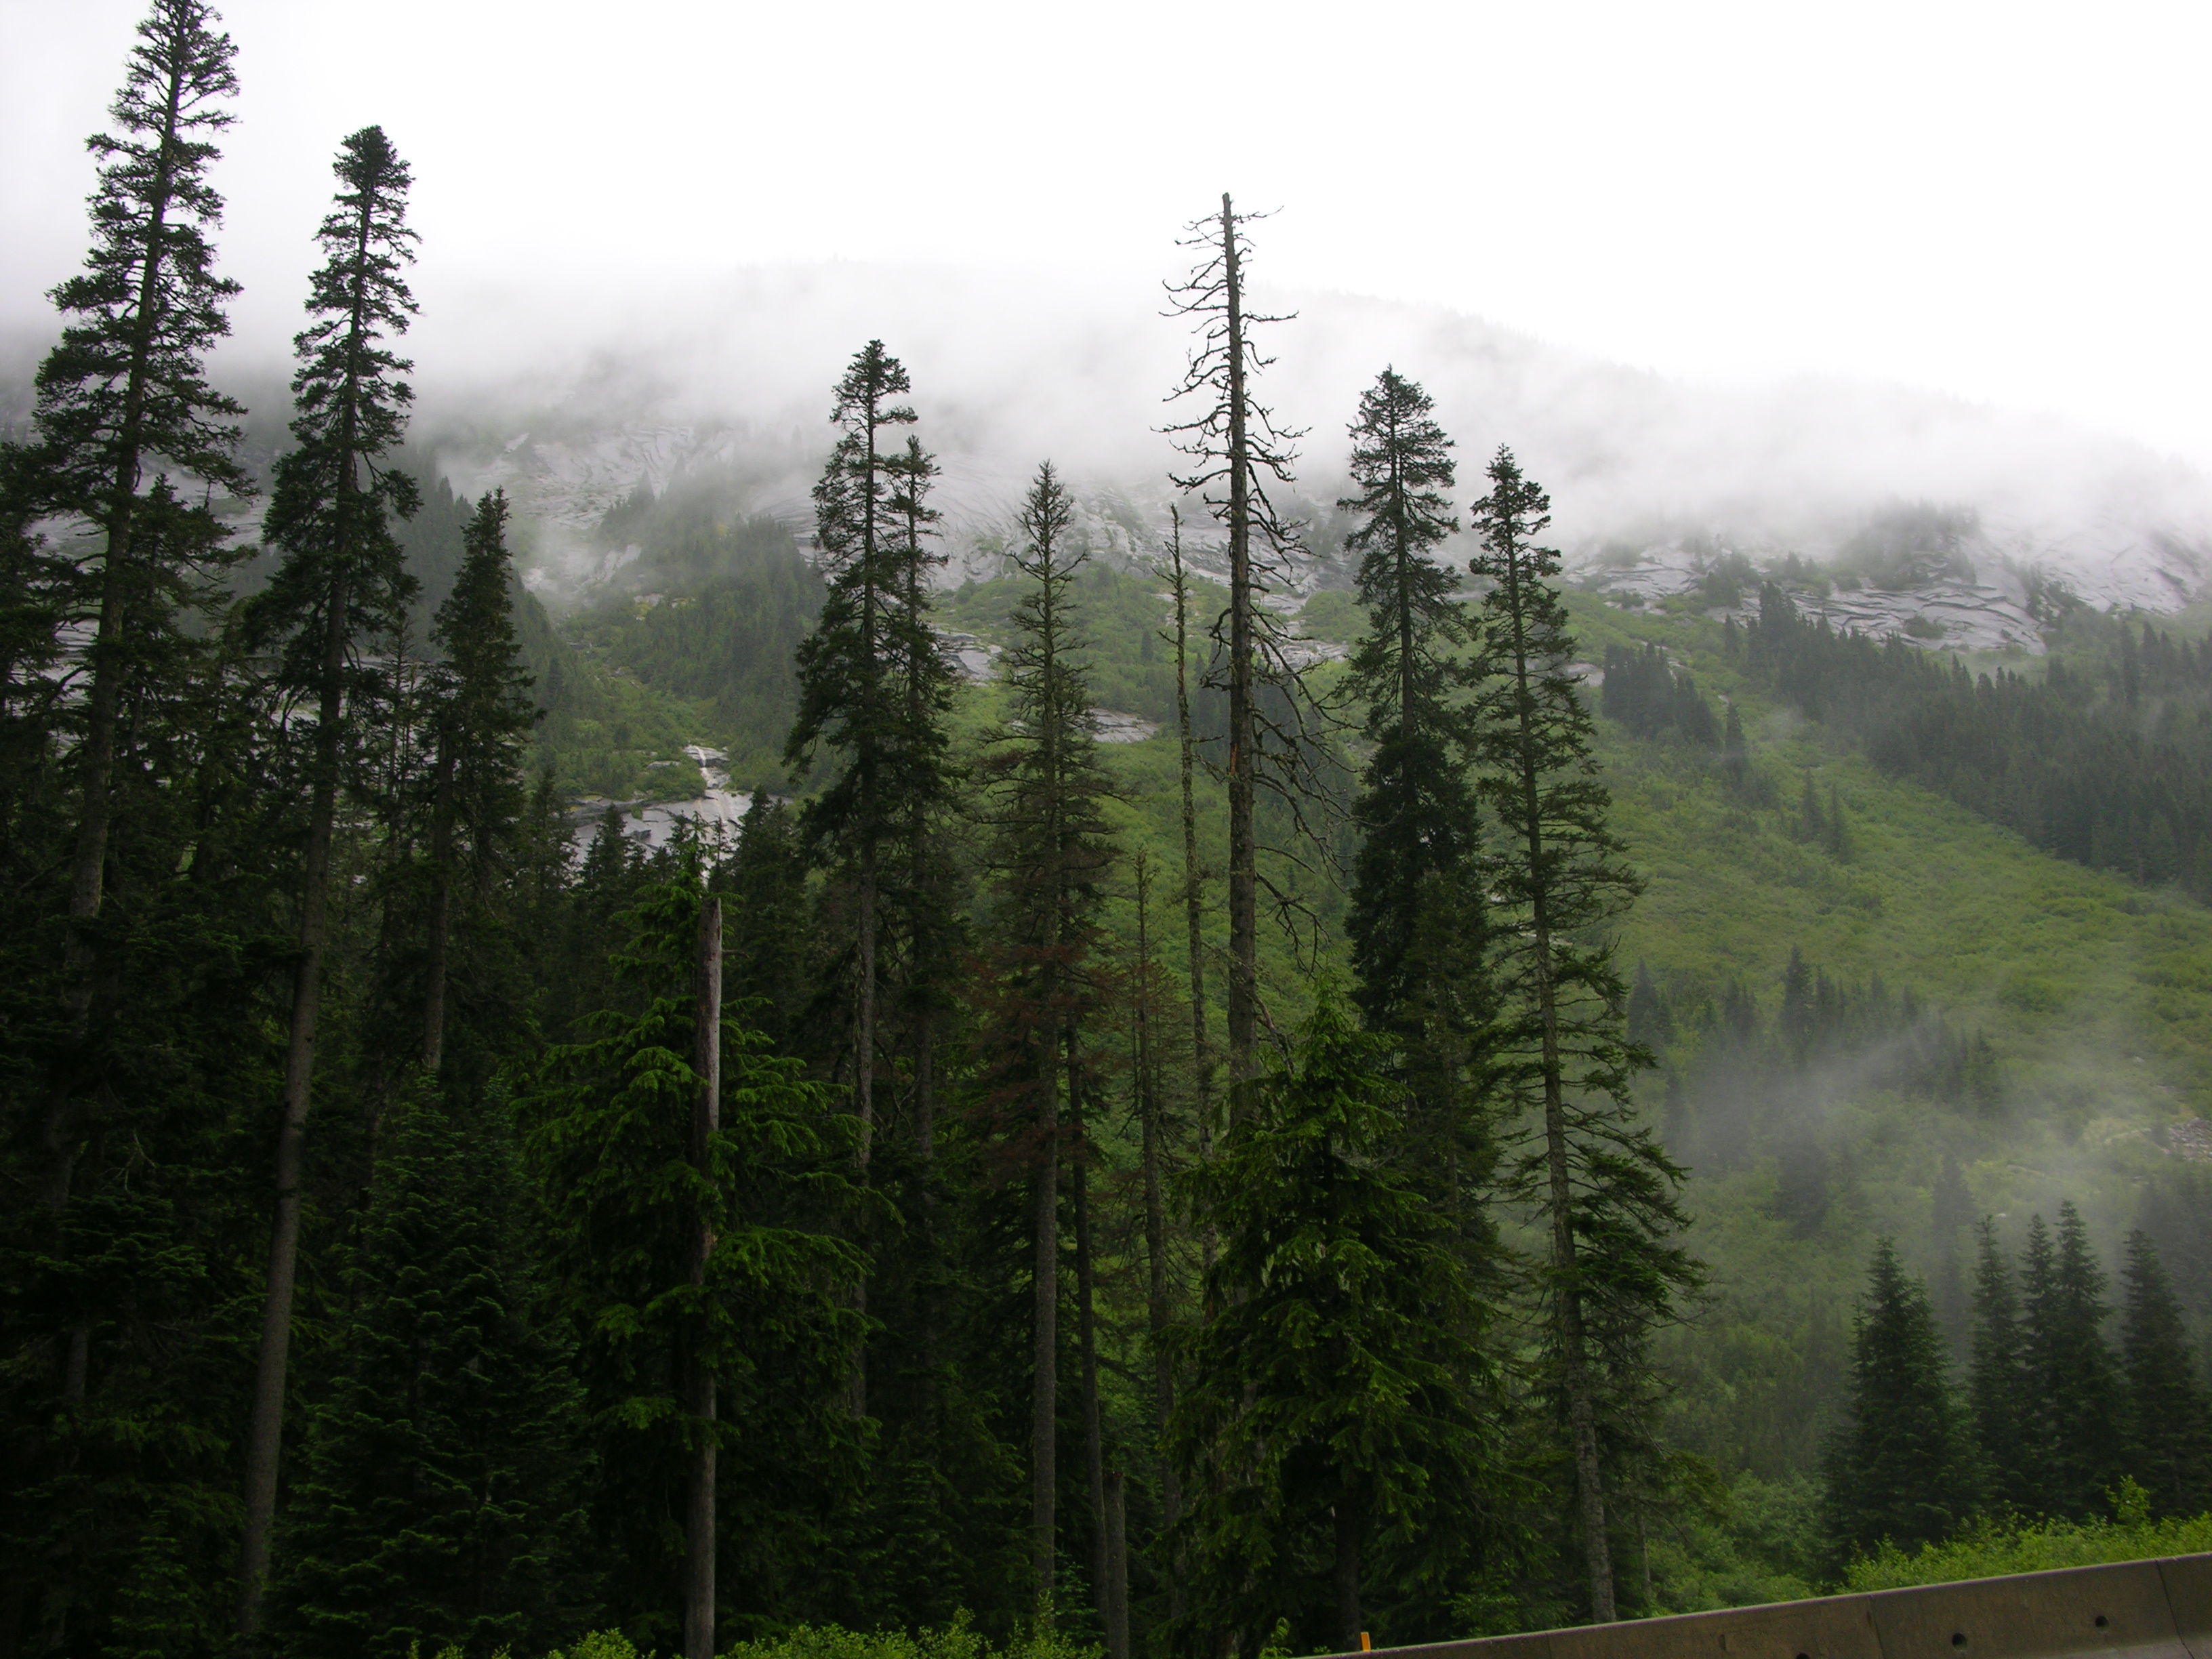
x,y
1243,844
1566,1287
1044,1400
1347,1575
1117,1569
442,909
706,1120
1086,1327
265,1434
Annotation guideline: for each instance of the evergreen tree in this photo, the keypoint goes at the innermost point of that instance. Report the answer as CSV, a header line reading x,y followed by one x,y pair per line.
x,y
1736,753
1605,1189
125,388
1416,922
1997,1379
2169,1407
607,1131
1898,1469
849,700
1337,1420
1051,852
2075,1394
481,719
439,1500
1951,1208
343,582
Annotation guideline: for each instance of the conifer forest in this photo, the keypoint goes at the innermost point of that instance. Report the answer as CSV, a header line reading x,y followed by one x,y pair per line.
x,y
1504,1108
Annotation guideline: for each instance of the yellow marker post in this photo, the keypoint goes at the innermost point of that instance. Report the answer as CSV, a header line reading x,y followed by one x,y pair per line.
x,y
1365,1646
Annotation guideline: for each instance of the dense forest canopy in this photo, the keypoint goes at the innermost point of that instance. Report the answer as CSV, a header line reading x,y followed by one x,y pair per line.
x,y
1189,1116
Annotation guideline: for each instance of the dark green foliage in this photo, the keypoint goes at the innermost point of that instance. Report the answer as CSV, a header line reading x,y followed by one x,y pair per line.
x,y
440,1499
2169,1407
1604,1189
343,577
2075,1393
1340,1407
606,1128
1898,1469
1653,700
2103,760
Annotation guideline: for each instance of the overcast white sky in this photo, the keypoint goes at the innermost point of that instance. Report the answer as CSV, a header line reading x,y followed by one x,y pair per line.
x,y
2003,200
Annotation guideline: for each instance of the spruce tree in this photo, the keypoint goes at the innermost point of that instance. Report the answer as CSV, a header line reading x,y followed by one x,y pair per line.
x,y
848,696
1604,1189
1417,920
1997,1379
1050,855
1898,1469
342,582
126,389
439,1500
1193,884
2075,1392
610,1131
2169,1407
481,717
1336,1420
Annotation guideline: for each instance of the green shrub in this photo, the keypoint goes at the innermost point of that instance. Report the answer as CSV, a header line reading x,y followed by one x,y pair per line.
x,y
1990,1549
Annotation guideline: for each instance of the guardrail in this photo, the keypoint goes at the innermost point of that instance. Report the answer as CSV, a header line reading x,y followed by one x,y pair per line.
x,y
2159,1609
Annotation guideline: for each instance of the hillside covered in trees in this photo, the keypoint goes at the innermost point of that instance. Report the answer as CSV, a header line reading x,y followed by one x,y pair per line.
x,y
1187,1118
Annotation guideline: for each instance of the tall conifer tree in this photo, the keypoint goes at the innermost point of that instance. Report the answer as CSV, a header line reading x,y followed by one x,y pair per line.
x,y
848,696
2169,1407
481,717
343,582
126,390
1996,1378
1605,1189
1051,854
2075,1397
1416,920
1898,1469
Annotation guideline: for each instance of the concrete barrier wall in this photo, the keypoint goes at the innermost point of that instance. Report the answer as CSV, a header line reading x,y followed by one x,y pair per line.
x,y
2128,1610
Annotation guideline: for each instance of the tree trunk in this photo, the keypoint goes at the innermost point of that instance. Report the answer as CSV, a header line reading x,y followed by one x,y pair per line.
x,y
1044,1399
442,909
1117,1569
1566,1291
266,1435
1087,1328
706,1120
864,1097
1156,1251
1347,1575
1243,845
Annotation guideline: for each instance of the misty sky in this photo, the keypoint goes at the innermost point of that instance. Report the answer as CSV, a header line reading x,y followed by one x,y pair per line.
x,y
2003,200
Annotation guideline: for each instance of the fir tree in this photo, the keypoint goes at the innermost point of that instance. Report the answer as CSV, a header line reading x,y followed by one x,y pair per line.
x,y
848,695
1336,1420
440,1499
2075,1394
343,581
2169,1407
482,717
127,387
1898,1469
1997,1379
1735,754
1050,855
608,1132
1417,929
1605,1189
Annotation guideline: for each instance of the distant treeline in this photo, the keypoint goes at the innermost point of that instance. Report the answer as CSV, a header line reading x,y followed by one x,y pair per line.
x,y
2102,762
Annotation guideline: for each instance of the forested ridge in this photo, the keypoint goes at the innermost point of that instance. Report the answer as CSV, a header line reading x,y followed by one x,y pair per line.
x,y
1417,1147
